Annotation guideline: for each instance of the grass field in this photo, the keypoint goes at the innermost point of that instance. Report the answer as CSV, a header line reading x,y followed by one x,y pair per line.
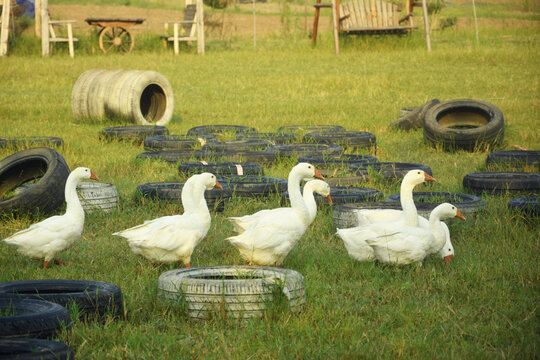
x,y
484,304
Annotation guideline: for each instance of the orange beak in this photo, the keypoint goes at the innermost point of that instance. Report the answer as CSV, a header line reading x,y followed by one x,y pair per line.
x,y
448,258
218,185
318,175
329,199
93,176
428,177
459,215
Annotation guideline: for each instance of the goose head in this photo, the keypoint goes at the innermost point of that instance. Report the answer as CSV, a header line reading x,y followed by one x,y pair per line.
x,y
83,173
448,211
416,177
307,171
321,188
447,252
209,181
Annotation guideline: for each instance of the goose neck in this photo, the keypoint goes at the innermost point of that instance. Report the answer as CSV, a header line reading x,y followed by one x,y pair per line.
x,y
73,204
407,203
295,196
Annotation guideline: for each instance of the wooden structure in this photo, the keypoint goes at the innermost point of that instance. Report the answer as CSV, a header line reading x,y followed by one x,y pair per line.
x,y
370,17
114,34
4,27
69,39
191,29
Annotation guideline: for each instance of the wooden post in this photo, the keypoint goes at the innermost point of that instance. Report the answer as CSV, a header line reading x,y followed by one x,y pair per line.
x,y
4,30
45,27
335,26
254,27
426,24
37,16
315,24
175,38
70,40
475,20
200,27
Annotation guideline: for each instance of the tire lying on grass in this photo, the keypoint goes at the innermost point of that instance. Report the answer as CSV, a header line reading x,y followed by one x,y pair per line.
x,y
414,117
219,129
134,133
304,149
34,349
172,192
309,128
253,185
220,168
341,161
351,139
389,170
46,194
240,292
274,138
237,145
176,142
494,182
144,97
97,196
464,124
31,318
31,141
343,194
91,298
529,205
173,156
259,157
469,205
518,158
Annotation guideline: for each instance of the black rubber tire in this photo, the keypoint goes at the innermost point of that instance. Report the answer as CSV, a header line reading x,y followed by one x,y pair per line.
x,y
304,149
529,205
172,192
92,298
259,157
220,168
516,158
485,119
274,138
176,142
239,292
46,195
347,139
237,145
469,205
253,186
343,194
389,170
335,162
413,118
493,182
30,142
295,129
34,349
31,318
219,129
132,133
174,156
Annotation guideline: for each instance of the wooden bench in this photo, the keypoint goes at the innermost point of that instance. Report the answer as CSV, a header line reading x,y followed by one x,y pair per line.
x,y
191,29
373,16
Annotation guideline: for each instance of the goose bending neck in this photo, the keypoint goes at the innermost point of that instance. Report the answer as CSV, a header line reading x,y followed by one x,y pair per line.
x,y
193,199
73,204
295,196
407,203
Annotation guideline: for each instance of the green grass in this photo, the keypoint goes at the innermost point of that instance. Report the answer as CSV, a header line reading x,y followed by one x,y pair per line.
x,y
483,305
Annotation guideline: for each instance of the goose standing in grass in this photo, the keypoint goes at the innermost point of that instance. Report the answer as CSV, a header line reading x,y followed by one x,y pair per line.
x,y
267,238
46,239
170,239
374,222
412,244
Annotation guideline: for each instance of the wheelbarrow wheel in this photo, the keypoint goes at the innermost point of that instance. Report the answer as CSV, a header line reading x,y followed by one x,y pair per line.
x,y
116,38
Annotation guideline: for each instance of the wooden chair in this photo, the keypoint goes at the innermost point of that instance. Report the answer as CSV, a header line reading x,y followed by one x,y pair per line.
x,y
69,39
374,16
191,29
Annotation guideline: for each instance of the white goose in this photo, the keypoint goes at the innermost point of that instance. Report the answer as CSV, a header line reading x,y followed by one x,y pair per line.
x,y
412,244
374,222
268,238
313,186
173,238
44,240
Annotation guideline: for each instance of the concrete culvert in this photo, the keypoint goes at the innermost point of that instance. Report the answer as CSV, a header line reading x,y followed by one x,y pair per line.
x,y
144,97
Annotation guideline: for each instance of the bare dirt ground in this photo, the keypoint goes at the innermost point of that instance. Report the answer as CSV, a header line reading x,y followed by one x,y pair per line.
x,y
224,25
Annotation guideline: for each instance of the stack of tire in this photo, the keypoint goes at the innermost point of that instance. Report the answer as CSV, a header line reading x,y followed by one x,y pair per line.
x,y
462,124
35,311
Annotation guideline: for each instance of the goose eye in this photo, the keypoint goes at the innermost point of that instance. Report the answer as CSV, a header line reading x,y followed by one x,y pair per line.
x,y
449,250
